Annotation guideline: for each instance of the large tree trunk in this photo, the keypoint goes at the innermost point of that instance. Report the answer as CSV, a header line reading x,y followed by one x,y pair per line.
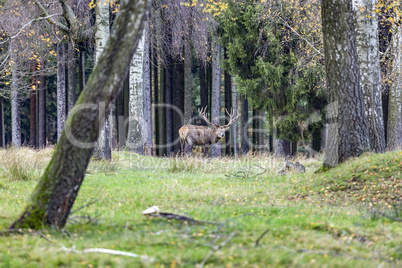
x,y
103,150
394,137
348,127
2,130
54,196
281,147
135,139
71,80
15,101
42,112
169,109
370,72
147,94
216,95
244,137
61,88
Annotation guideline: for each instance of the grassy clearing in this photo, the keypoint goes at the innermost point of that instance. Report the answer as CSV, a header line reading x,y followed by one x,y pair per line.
x,y
346,217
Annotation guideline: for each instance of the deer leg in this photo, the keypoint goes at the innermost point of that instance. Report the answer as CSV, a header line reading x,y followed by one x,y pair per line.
x,y
206,150
183,146
189,148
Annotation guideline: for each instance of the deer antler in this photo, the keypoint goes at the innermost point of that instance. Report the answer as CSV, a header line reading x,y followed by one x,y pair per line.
x,y
203,115
231,119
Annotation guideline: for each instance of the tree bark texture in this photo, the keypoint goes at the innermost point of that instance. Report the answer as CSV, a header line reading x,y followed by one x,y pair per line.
x,y
2,132
54,196
162,110
61,88
148,146
203,88
15,101
136,136
244,136
370,71
81,68
42,112
394,137
71,79
32,116
156,102
216,94
348,126
234,126
188,111
281,147
228,107
103,147
169,104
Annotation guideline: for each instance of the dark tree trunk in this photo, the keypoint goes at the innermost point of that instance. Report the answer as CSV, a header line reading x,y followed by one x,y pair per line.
x,y
121,133
126,97
53,198
169,109
162,110
2,130
209,87
294,147
71,79
188,112
348,127
32,116
81,68
281,148
256,132
228,107
203,89
244,137
42,112
61,88
178,101
316,137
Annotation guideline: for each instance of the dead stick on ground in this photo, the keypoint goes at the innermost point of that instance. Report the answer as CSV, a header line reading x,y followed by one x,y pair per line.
x,y
261,236
216,248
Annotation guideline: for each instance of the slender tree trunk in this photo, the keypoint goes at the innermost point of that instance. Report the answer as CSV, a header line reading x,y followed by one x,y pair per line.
x,y
188,112
169,109
61,88
2,130
348,127
228,107
54,196
103,146
121,133
316,137
394,137
32,117
203,88
178,101
136,137
81,68
216,95
256,133
42,112
147,94
244,137
162,111
15,102
158,127
370,72
71,80
234,126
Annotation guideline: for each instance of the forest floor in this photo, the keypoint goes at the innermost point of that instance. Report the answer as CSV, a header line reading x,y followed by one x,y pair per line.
x,y
248,215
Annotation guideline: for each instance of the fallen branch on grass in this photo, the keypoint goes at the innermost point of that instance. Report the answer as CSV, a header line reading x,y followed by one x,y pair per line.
x,y
261,236
216,248
154,212
107,251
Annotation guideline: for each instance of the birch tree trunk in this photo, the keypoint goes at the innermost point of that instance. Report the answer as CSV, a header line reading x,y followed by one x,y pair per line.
x,y
42,112
136,135
394,137
348,127
103,149
147,94
216,94
370,71
61,89
54,196
15,102
234,126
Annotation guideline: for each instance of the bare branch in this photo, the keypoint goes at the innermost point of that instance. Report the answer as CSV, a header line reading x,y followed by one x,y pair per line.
x,y
63,27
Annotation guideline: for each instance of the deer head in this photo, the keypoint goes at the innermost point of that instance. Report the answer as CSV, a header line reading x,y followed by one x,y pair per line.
x,y
219,131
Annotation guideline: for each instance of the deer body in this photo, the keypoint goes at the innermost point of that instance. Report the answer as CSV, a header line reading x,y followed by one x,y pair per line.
x,y
202,135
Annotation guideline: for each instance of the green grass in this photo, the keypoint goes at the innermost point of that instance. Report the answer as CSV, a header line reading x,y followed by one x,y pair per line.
x,y
345,217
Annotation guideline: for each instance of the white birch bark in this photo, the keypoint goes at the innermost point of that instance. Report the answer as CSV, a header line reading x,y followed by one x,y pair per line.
x,y
394,137
61,89
103,146
135,139
216,94
370,72
234,126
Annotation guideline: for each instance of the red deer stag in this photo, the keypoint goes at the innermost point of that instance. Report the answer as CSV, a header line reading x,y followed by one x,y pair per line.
x,y
202,135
